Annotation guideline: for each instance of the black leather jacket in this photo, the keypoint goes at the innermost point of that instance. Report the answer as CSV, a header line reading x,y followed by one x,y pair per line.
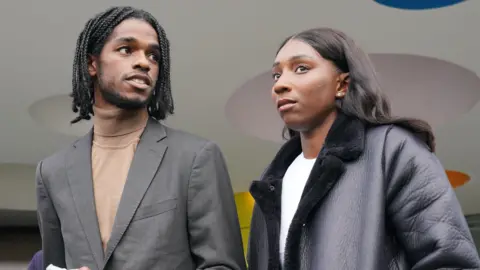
x,y
377,198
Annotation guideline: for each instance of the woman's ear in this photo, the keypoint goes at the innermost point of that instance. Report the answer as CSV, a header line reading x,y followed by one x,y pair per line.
x,y
342,85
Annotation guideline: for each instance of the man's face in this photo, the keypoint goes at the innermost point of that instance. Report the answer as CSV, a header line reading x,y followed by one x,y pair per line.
x,y
126,70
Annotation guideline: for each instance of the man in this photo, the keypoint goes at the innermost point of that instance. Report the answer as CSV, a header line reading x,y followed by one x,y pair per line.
x,y
133,193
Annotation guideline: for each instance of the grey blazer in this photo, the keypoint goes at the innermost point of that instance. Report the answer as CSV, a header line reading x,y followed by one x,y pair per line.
x,y
177,209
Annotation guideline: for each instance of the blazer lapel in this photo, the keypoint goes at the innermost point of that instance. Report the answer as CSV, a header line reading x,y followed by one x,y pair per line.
x,y
145,163
79,171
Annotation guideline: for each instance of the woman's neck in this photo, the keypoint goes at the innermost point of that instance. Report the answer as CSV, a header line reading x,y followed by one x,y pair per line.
x,y
313,140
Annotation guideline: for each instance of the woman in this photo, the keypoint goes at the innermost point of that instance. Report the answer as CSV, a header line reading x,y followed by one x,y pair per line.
x,y
353,188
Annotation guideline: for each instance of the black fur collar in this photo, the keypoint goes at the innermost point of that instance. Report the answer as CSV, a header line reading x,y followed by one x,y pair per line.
x,y
345,142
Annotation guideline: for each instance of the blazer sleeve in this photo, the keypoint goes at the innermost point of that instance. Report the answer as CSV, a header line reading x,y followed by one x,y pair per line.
x,y
423,208
49,224
214,230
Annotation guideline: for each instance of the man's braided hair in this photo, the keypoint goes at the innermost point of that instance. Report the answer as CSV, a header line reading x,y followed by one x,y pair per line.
x,y
91,42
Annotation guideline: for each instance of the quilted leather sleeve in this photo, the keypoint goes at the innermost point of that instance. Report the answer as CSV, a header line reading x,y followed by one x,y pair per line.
x,y
423,208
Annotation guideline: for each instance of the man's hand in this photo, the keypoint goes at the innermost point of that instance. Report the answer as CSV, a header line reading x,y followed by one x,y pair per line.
x,y
83,268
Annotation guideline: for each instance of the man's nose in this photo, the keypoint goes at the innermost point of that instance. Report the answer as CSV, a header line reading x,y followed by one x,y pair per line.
x,y
142,63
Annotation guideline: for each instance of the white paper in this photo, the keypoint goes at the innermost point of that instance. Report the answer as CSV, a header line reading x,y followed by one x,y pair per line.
x,y
53,267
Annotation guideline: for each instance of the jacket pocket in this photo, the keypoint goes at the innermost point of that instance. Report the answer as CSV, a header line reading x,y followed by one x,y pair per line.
x,y
155,209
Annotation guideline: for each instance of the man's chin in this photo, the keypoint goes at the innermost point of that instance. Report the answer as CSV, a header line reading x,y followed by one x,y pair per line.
x,y
130,105
124,103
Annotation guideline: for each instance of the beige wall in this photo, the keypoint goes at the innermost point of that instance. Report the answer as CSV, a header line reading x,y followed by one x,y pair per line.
x,y
17,187
13,265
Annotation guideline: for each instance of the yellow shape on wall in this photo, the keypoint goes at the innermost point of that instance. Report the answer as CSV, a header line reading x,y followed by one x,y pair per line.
x,y
244,202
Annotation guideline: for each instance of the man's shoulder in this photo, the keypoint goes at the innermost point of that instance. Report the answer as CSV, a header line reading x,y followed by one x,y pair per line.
x,y
55,161
186,141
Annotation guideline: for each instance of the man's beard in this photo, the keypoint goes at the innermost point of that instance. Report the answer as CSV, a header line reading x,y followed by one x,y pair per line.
x,y
113,97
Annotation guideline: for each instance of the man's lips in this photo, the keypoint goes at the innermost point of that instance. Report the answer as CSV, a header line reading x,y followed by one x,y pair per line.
x,y
139,81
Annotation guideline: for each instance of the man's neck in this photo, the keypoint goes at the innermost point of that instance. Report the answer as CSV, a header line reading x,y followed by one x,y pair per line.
x,y
313,140
112,122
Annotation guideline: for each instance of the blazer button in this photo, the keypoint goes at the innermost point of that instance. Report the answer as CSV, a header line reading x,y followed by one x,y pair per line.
x,y
272,188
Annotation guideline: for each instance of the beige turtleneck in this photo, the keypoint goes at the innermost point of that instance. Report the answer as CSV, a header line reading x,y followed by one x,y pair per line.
x,y
116,134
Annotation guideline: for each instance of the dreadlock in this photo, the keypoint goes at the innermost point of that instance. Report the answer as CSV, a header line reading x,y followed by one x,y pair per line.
x,y
91,42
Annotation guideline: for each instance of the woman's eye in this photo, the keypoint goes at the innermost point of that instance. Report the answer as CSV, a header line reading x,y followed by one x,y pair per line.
x,y
301,69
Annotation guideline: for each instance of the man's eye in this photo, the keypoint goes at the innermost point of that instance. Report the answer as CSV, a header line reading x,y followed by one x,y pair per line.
x,y
154,57
124,50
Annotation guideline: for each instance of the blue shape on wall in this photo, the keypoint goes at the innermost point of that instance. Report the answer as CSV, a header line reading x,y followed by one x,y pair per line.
x,y
418,4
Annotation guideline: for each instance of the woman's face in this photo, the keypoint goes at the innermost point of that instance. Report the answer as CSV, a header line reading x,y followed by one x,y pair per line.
x,y
306,86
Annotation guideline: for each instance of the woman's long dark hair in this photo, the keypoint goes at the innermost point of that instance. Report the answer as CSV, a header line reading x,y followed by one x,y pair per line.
x,y
364,99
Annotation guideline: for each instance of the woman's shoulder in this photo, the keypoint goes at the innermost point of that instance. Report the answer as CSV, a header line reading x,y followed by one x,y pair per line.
x,y
395,138
396,133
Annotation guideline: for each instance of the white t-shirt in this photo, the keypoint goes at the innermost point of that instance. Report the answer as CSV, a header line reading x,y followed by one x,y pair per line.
x,y
293,184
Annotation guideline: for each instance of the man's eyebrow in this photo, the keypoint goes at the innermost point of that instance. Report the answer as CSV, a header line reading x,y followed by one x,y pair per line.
x,y
126,39
153,46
